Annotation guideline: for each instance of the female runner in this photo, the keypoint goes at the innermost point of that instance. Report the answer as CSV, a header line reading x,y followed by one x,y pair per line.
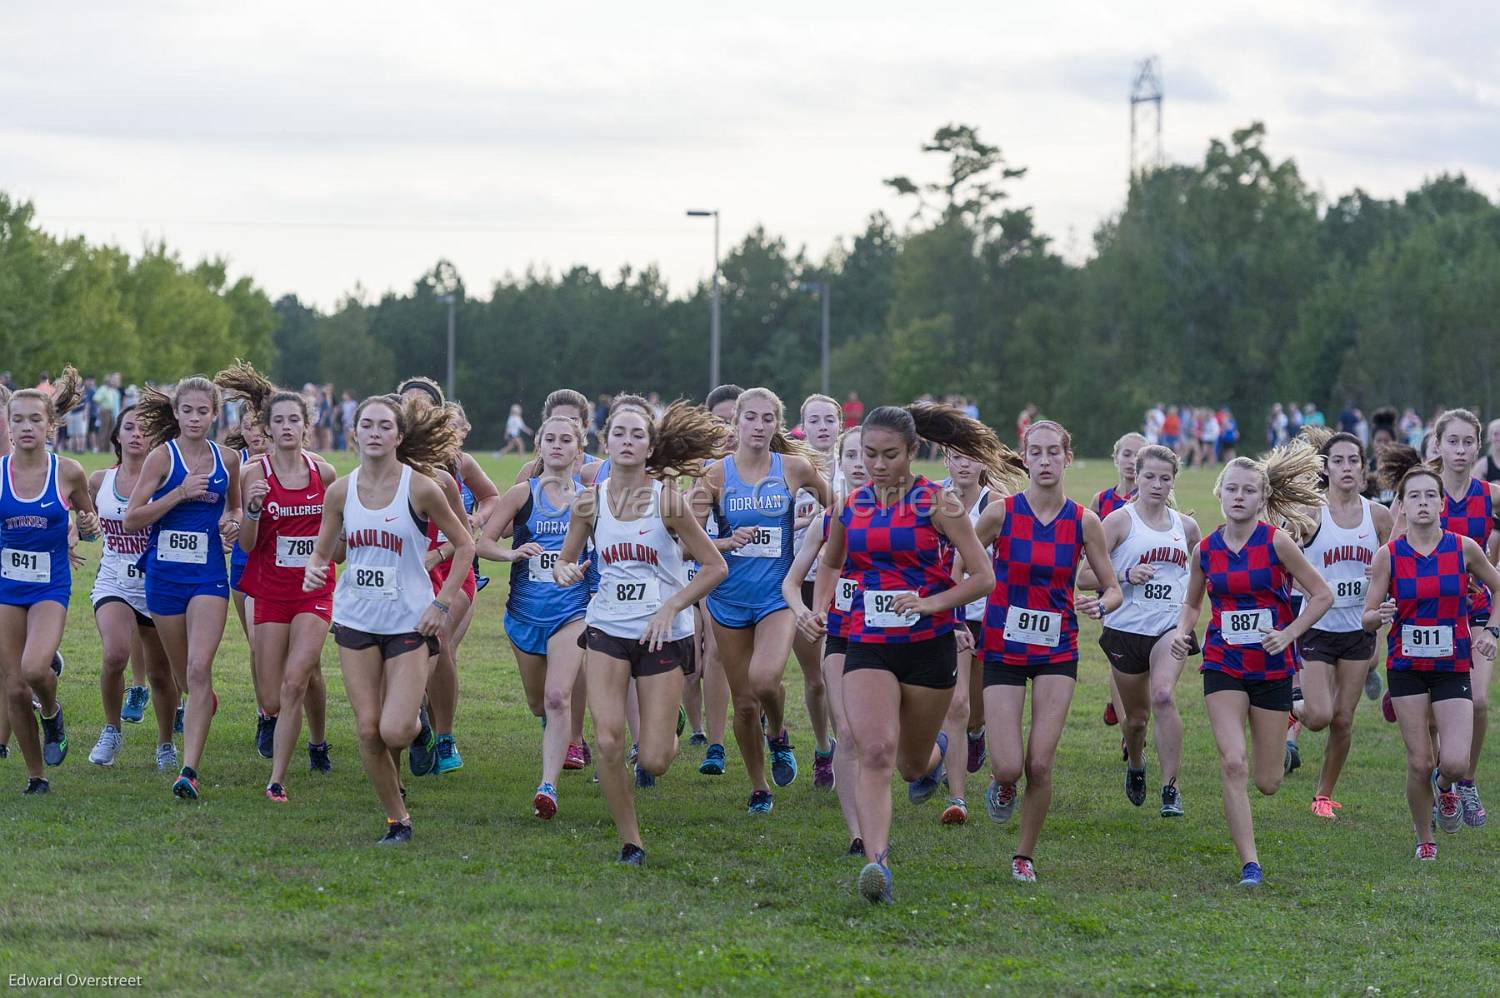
x,y
1417,588
751,495
714,684
250,440
188,493
1247,568
284,491
851,472
1103,504
900,664
36,574
638,625
1338,654
542,619
822,418
1039,536
126,631
1149,544
385,615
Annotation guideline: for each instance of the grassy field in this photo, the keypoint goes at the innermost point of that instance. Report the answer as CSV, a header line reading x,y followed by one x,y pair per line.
x,y
111,875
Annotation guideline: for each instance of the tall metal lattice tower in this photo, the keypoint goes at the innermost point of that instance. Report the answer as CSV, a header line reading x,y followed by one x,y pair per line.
x,y
1145,118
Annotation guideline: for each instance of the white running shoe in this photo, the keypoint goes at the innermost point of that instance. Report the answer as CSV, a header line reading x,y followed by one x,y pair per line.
x,y
166,758
107,747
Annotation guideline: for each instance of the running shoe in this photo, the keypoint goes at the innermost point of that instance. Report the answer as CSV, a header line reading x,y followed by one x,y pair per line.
x,y
54,739
920,790
396,833
856,847
681,720
633,754
698,740
760,802
166,757
1171,800
423,755
107,747
265,735
643,779
1135,785
978,750
1427,851
823,767
713,761
1022,869
574,757
1323,806
1372,689
136,699
1388,709
783,762
875,884
4,751
1474,814
1000,801
178,716
1251,875
480,581
544,804
588,755
957,811
1124,750
57,663
317,758
632,855
1450,808
1293,759
1111,717
36,785
448,759
186,786
276,792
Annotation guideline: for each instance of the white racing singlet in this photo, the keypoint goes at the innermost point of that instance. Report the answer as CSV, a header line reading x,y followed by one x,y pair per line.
x,y
1341,556
640,567
118,575
383,588
1151,608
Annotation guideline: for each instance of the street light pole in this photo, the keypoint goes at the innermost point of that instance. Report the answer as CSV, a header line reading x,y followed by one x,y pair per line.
x,y
452,301
713,321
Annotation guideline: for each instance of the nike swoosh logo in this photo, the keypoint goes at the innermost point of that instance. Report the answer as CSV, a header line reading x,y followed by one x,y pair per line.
x,y
45,505
312,495
645,532
390,519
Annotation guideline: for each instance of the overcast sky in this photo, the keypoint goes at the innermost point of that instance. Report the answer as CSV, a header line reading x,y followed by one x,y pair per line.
x,y
320,145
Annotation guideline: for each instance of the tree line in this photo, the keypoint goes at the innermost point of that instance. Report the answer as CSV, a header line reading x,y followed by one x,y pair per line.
x,y
1230,281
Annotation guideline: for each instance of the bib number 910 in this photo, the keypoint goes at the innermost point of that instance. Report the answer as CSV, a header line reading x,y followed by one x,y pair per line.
x,y
1033,627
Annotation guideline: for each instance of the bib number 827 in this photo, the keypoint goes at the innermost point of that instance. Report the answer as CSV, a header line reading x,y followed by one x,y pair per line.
x,y
630,592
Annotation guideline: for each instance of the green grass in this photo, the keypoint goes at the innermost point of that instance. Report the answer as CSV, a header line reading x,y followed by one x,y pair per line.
x,y
111,875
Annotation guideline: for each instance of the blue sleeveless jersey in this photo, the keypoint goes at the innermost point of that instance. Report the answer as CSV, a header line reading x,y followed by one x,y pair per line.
x,y
34,538
238,556
189,532
542,601
757,569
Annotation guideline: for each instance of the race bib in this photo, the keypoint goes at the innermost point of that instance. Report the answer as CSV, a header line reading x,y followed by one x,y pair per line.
x,y
765,544
1161,595
294,552
1244,627
1434,641
1349,592
692,571
843,595
131,578
539,567
186,546
26,566
634,597
1033,627
373,583
880,609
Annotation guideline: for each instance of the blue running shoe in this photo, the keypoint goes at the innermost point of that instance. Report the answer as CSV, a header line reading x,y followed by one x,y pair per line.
x,y
136,699
265,735
698,740
760,802
423,756
317,758
632,855
57,664
186,786
1251,875
920,790
448,758
875,884
480,581
54,739
783,762
177,718
643,779
713,761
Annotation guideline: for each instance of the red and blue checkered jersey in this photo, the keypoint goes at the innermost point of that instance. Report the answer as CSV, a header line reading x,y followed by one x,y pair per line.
x,y
1036,565
1249,592
894,549
1109,500
1431,629
1472,516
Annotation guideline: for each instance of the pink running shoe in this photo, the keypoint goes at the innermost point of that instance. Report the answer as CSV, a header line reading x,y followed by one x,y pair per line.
x,y
1427,851
1324,807
574,759
1388,709
1022,870
823,768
